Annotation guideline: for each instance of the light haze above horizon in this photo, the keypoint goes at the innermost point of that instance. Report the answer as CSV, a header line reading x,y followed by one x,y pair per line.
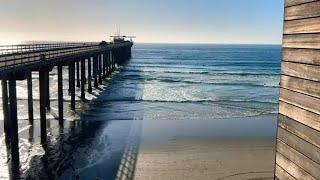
x,y
152,21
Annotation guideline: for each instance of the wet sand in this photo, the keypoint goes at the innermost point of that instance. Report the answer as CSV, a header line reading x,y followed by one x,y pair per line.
x,y
224,151
206,159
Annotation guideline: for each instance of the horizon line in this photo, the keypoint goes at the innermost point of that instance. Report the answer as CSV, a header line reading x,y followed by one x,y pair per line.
x,y
207,43
141,42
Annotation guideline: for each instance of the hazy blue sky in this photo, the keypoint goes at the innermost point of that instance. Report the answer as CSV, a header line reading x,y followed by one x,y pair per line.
x,y
175,21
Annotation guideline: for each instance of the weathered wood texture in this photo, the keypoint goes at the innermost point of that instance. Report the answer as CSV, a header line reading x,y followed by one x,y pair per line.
x,y
297,2
302,11
308,56
298,137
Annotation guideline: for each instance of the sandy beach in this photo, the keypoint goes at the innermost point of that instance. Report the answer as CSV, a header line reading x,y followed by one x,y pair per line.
x,y
164,154
206,159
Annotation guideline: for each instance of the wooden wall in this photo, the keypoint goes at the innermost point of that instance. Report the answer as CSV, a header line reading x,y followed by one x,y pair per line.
x,y
298,135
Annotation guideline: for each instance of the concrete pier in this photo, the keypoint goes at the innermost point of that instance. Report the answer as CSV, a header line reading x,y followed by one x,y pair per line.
x,y
73,56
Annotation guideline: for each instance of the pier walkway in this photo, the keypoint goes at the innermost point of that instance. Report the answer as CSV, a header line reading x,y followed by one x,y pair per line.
x,y
88,64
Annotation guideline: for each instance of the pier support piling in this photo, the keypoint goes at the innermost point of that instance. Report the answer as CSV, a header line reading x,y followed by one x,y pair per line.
x,y
69,74
13,125
99,68
30,98
104,66
78,74
84,72
89,76
43,98
60,95
83,76
5,110
48,89
112,61
95,69
72,86
108,63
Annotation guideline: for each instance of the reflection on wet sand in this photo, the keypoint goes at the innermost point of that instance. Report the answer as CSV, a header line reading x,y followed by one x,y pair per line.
x,y
69,151
129,159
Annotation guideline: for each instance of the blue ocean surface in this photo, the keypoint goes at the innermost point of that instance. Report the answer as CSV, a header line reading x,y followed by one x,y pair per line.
x,y
200,84
213,81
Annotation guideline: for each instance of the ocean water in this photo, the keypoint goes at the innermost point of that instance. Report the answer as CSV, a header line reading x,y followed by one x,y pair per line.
x,y
185,83
214,81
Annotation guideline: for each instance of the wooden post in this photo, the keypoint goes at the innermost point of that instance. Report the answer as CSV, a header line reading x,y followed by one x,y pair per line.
x,y
89,76
5,110
43,98
13,125
78,74
72,85
83,76
30,98
60,95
